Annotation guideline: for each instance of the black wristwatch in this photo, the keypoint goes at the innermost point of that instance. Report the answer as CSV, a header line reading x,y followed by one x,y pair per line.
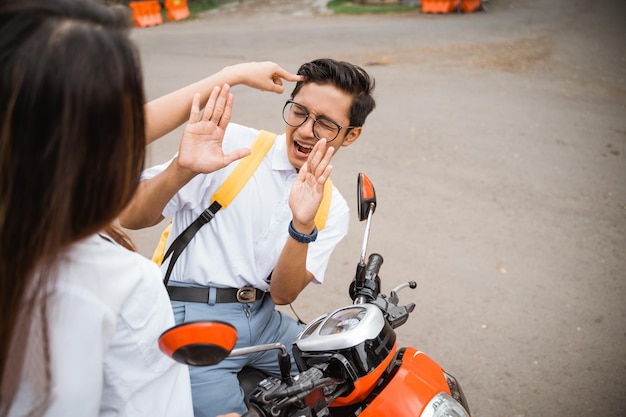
x,y
301,237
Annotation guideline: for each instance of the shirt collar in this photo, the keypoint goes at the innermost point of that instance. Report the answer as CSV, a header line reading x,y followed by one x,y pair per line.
x,y
280,162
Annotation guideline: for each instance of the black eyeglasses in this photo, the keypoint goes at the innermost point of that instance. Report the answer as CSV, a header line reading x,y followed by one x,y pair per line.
x,y
295,115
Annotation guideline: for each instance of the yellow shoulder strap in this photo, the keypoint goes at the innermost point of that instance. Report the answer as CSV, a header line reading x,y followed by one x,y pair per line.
x,y
322,211
244,170
159,251
238,178
231,186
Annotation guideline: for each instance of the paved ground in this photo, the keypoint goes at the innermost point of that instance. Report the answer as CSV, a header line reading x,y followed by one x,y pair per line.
x,y
498,152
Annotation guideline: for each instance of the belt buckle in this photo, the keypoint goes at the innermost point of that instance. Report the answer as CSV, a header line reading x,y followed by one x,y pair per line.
x,y
246,295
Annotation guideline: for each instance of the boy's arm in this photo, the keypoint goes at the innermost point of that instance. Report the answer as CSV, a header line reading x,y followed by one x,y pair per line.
x,y
152,195
290,275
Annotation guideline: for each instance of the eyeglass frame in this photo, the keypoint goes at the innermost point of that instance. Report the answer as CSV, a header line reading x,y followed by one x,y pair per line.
x,y
308,114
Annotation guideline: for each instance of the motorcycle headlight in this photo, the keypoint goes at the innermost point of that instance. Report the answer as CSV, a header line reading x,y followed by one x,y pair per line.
x,y
442,405
456,391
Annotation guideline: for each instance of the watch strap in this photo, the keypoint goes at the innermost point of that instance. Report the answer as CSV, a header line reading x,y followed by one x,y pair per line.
x,y
301,237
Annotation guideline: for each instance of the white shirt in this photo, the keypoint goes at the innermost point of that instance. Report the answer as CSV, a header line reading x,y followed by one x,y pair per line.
x,y
109,308
241,245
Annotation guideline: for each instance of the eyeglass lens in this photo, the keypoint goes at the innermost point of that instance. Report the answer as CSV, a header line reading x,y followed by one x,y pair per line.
x,y
296,115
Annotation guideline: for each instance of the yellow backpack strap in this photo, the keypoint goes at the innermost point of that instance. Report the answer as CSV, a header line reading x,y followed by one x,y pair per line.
x,y
231,186
242,172
322,211
159,251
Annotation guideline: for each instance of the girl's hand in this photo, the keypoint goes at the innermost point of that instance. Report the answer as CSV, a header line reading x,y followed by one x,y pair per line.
x,y
264,76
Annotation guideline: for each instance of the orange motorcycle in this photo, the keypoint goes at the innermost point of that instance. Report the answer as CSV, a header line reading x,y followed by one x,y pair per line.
x,y
349,360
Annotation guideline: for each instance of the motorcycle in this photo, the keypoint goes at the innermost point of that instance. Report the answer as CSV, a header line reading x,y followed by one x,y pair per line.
x,y
349,360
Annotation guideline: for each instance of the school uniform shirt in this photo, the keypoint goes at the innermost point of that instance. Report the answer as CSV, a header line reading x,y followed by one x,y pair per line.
x,y
108,310
241,245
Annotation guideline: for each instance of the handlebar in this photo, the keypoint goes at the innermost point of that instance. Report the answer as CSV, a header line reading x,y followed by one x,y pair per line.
x,y
373,265
366,284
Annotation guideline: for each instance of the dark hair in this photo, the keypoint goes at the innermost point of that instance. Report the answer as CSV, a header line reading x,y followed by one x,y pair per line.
x,y
72,145
347,77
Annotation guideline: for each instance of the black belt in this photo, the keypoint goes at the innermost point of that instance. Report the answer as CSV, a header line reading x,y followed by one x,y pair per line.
x,y
222,295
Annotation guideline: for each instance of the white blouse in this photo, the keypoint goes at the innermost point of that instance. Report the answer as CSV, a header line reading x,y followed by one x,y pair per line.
x,y
105,317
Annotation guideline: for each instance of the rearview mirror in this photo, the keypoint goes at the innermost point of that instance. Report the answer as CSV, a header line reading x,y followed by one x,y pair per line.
x,y
366,197
205,343
198,343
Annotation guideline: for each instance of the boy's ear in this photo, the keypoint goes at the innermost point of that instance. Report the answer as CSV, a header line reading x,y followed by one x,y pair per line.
x,y
352,135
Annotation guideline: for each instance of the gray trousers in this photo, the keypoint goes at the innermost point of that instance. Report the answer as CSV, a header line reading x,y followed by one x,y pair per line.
x,y
215,389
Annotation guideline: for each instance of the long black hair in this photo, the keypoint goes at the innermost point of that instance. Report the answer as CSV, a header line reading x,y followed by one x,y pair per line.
x,y
72,147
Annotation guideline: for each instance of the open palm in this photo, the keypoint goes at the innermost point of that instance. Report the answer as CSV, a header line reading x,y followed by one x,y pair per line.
x,y
308,188
201,146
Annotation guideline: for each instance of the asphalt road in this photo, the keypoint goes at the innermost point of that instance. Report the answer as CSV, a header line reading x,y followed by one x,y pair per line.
x,y
498,153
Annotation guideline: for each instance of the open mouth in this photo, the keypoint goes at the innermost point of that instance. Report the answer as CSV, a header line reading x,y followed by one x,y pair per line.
x,y
303,150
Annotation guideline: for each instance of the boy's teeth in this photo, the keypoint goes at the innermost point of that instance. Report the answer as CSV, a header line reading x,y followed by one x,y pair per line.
x,y
303,148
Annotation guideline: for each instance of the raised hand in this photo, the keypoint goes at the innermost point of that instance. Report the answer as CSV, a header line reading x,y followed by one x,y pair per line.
x,y
308,188
200,149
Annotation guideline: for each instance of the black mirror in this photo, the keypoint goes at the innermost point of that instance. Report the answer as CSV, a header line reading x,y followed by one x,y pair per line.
x,y
198,343
366,196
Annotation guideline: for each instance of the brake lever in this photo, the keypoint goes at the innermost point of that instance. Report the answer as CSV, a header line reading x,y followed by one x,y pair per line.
x,y
395,315
393,294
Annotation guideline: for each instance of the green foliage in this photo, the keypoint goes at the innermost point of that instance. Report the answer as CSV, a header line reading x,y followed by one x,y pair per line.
x,y
348,7
199,6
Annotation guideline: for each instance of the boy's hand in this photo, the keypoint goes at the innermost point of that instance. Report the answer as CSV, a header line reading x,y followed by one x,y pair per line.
x,y
200,149
308,188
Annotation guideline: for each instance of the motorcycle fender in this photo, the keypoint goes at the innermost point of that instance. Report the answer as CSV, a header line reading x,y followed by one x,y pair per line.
x,y
417,381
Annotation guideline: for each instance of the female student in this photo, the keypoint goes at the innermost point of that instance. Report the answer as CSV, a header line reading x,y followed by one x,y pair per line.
x,y
80,314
